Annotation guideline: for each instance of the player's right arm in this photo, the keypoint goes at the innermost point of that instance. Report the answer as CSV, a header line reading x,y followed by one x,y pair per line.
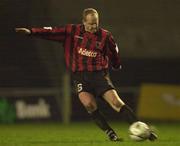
x,y
23,30
49,33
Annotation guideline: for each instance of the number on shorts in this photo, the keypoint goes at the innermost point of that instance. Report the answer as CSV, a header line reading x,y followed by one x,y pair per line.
x,y
79,87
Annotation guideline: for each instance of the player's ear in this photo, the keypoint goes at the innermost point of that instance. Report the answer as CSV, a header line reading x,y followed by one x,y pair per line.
x,y
83,21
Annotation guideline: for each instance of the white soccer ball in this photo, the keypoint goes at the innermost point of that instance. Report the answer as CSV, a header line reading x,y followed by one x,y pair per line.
x,y
139,131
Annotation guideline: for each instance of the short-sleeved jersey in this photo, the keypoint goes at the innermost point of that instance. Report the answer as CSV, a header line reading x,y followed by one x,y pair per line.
x,y
84,51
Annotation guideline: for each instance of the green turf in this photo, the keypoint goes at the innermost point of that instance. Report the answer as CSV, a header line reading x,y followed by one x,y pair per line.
x,y
80,134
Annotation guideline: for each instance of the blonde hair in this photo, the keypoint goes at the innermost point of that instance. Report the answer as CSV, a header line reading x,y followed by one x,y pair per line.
x,y
89,11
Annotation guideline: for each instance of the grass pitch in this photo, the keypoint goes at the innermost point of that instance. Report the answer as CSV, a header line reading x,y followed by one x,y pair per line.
x,y
80,134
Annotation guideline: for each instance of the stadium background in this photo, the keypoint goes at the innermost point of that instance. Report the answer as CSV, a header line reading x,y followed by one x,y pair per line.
x,y
32,70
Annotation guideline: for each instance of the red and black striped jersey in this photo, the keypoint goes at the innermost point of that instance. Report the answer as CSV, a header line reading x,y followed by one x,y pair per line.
x,y
84,51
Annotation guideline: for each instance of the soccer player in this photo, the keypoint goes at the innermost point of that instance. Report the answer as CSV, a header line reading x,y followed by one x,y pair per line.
x,y
89,52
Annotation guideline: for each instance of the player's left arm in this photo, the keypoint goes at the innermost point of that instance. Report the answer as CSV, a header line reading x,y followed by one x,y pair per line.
x,y
113,53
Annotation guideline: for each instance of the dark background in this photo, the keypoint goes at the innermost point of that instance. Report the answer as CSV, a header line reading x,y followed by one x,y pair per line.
x,y
147,33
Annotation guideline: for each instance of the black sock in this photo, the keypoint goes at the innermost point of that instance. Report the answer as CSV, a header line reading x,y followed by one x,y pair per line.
x,y
129,114
100,121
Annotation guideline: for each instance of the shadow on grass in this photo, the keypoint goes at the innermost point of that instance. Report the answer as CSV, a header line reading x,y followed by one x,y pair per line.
x,y
68,141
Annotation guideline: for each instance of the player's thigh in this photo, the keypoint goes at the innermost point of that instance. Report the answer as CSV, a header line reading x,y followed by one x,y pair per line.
x,y
113,98
88,100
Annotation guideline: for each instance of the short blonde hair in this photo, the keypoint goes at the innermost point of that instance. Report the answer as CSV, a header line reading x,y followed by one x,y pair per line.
x,y
89,11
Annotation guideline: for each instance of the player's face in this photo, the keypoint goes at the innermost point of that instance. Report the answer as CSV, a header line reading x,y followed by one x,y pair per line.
x,y
91,23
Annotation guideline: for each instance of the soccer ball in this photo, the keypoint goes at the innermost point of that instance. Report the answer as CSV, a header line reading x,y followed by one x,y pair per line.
x,y
139,131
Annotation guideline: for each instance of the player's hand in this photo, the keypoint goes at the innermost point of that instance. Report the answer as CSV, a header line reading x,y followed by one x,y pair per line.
x,y
116,69
23,30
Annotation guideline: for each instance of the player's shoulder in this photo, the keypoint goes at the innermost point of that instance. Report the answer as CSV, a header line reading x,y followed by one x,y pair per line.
x,y
105,31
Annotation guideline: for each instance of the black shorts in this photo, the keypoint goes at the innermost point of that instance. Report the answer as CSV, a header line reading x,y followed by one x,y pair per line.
x,y
96,83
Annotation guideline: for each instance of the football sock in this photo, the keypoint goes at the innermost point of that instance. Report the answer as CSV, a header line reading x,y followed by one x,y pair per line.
x,y
129,114
100,120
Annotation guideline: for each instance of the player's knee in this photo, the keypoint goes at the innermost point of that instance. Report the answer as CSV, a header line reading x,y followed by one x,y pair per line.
x,y
90,106
117,104
88,102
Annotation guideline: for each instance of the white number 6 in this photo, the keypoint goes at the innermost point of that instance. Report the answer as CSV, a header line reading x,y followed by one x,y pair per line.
x,y
79,87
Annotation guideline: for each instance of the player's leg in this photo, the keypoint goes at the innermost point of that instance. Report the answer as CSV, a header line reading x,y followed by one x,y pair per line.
x,y
89,102
108,92
118,105
87,99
